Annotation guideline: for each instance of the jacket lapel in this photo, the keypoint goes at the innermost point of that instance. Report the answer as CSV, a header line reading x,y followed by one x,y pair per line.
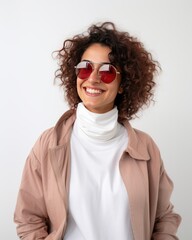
x,y
133,169
134,175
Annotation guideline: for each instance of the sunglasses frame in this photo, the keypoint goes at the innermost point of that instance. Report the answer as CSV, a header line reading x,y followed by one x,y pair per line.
x,y
93,68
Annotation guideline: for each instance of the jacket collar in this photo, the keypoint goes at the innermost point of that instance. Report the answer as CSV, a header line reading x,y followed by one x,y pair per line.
x,y
137,147
62,129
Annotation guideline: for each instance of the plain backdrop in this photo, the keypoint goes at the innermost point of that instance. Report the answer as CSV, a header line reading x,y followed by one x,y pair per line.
x,y
30,30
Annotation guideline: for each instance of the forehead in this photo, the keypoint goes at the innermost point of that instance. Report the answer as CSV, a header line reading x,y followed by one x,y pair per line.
x,y
96,53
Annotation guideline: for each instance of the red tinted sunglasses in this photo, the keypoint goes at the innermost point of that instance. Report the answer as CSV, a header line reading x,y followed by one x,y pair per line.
x,y
106,72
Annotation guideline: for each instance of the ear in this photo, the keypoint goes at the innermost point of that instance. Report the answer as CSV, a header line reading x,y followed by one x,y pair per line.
x,y
120,89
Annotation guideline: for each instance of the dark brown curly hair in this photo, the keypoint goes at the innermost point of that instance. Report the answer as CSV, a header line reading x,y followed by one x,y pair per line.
x,y
135,63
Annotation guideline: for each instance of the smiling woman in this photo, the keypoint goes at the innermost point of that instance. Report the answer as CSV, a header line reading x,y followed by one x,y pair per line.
x,y
93,176
124,52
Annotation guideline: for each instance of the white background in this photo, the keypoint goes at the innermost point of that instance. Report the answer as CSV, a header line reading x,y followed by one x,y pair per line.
x,y
30,30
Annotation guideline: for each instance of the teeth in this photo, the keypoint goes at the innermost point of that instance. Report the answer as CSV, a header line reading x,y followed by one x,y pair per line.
x,y
91,90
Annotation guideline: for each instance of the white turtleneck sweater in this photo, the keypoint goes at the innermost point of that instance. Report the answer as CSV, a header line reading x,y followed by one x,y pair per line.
x,y
98,200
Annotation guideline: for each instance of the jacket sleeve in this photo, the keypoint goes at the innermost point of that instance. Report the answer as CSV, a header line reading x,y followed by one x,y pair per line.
x,y
30,212
167,221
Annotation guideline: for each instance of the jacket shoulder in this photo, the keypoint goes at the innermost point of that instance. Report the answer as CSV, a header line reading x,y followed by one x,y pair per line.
x,y
50,138
148,141
141,145
144,137
43,143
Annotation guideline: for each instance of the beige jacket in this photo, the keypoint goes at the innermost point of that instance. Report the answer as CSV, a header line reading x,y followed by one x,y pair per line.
x,y
41,210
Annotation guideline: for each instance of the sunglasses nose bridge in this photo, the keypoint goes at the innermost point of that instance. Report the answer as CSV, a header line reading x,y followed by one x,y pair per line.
x,y
94,76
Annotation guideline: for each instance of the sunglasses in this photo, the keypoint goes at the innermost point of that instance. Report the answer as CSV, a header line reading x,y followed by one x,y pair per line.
x,y
106,72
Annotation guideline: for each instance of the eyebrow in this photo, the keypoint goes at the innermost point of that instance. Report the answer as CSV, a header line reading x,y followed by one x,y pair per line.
x,y
85,60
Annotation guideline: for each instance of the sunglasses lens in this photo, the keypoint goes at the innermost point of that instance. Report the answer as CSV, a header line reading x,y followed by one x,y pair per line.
x,y
83,70
107,73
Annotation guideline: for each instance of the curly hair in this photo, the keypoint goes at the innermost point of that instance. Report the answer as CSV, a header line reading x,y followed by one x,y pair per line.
x,y
127,52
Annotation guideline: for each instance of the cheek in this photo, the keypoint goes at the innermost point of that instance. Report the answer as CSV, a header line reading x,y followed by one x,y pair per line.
x,y
80,90
111,96
78,84
114,88
114,91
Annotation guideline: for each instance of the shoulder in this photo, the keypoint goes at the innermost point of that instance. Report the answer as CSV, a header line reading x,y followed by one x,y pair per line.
x,y
44,140
51,137
148,140
141,144
145,137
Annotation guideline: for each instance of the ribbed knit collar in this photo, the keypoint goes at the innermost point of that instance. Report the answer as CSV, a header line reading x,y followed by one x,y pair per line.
x,y
95,125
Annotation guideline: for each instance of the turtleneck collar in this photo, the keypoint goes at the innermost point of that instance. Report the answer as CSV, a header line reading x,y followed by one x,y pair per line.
x,y
96,125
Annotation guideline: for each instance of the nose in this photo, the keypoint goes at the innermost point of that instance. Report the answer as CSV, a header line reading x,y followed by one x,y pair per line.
x,y
94,76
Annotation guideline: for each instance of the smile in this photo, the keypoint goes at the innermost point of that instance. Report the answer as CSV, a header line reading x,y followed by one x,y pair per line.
x,y
93,91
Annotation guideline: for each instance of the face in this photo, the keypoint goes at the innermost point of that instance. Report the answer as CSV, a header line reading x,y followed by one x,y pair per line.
x,y
96,95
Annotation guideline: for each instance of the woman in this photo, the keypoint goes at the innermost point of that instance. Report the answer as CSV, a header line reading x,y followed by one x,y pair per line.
x,y
93,176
